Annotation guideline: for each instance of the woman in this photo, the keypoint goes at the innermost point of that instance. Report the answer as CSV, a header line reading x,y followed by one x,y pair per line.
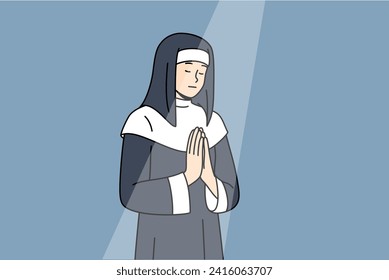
x,y
177,170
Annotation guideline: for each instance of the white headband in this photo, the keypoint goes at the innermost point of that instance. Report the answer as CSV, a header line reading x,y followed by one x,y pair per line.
x,y
193,55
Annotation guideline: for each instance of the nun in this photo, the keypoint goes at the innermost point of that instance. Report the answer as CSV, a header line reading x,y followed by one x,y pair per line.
x,y
177,170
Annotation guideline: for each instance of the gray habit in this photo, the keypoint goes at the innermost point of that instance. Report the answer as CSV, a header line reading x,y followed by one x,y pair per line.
x,y
144,188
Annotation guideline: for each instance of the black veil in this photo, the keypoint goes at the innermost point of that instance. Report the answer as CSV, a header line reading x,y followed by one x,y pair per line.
x,y
161,94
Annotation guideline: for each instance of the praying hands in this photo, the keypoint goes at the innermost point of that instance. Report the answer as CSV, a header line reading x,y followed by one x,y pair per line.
x,y
198,161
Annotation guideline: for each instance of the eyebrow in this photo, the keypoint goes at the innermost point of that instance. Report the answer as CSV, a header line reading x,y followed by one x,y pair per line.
x,y
188,63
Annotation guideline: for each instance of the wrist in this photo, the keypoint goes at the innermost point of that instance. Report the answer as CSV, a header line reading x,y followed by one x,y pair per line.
x,y
209,179
211,183
188,178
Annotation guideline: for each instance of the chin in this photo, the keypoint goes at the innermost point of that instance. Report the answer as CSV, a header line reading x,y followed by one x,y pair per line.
x,y
190,94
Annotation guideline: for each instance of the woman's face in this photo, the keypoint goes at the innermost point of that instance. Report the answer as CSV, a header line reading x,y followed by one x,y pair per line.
x,y
190,77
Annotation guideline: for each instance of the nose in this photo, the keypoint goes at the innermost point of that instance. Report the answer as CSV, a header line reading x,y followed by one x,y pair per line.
x,y
197,71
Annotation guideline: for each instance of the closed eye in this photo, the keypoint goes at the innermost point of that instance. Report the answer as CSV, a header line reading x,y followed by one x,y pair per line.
x,y
201,73
187,71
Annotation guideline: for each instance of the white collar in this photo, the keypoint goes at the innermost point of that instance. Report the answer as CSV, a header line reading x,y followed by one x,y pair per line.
x,y
182,103
148,123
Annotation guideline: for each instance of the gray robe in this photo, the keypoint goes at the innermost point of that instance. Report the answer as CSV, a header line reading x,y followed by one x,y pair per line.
x,y
145,188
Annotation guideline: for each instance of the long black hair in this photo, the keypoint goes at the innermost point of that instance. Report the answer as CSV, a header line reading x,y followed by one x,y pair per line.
x,y
161,94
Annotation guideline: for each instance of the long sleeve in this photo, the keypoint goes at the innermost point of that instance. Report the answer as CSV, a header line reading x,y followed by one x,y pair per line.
x,y
227,181
140,193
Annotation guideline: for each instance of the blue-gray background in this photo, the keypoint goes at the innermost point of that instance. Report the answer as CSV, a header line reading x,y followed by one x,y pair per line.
x,y
314,162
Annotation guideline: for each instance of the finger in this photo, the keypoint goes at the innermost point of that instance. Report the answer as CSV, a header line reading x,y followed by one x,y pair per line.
x,y
200,147
188,146
193,142
206,145
196,141
207,159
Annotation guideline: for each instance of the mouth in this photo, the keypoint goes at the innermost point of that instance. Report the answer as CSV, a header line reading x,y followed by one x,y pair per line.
x,y
192,87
